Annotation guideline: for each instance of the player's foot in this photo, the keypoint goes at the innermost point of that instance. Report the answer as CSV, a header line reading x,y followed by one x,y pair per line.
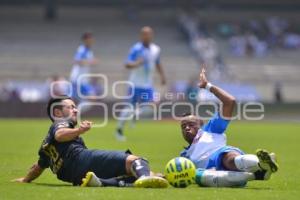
x,y
151,182
119,135
267,163
157,174
91,180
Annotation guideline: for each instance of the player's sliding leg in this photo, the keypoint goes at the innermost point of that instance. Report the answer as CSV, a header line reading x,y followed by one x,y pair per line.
x,y
212,178
91,180
263,163
140,169
250,167
135,166
246,163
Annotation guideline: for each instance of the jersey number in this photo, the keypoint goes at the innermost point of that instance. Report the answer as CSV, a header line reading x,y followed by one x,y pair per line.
x,y
55,159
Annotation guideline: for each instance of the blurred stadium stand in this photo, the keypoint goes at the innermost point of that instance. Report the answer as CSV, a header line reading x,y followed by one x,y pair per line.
x,y
35,49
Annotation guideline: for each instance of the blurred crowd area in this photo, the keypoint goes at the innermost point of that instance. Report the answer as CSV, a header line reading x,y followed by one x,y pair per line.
x,y
247,38
253,37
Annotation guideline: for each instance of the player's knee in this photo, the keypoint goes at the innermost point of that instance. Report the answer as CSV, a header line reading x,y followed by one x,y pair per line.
x,y
131,158
129,161
228,161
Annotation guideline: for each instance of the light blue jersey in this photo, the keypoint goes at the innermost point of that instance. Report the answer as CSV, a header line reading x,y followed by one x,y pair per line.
x,y
142,76
82,53
210,144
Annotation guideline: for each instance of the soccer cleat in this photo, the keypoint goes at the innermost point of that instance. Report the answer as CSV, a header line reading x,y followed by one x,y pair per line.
x,y
151,182
267,163
119,135
91,180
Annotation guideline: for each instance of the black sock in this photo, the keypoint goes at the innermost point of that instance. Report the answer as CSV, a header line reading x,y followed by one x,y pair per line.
x,y
109,182
260,174
140,168
122,181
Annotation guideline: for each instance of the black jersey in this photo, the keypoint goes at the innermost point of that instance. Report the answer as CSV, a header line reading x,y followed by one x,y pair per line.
x,y
55,154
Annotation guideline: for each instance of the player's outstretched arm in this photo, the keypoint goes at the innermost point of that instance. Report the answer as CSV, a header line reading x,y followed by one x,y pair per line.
x,y
68,134
34,172
227,99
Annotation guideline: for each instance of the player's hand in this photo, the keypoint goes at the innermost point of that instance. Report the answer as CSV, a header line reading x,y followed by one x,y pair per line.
x,y
139,61
94,61
85,126
202,79
20,180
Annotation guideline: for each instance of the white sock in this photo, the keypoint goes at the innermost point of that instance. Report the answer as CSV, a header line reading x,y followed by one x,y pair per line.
x,y
247,163
126,114
212,178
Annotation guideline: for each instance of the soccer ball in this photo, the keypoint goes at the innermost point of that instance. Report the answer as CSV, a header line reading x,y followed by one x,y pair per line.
x,y
180,172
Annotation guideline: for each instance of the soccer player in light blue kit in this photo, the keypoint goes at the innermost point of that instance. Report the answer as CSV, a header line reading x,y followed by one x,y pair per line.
x,y
220,165
84,59
143,59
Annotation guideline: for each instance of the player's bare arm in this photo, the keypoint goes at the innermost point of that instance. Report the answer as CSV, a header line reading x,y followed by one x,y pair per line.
x,y
84,62
34,172
135,64
227,99
68,134
161,73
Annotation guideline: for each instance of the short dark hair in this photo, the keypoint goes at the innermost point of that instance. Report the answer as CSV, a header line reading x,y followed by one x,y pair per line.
x,y
86,35
189,113
56,101
186,114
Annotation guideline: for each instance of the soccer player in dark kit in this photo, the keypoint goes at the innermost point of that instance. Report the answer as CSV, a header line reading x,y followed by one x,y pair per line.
x,y
64,151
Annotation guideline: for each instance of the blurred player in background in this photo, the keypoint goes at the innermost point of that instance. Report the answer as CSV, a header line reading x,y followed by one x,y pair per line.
x,y
64,151
143,59
84,59
220,165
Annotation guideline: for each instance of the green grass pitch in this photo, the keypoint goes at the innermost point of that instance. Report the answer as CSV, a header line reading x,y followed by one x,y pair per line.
x,y
158,141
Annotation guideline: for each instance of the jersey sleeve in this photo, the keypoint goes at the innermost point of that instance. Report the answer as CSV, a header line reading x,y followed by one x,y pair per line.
x,y
216,124
57,126
133,54
63,124
79,55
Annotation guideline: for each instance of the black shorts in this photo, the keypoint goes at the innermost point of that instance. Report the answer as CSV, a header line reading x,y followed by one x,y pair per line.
x,y
105,164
